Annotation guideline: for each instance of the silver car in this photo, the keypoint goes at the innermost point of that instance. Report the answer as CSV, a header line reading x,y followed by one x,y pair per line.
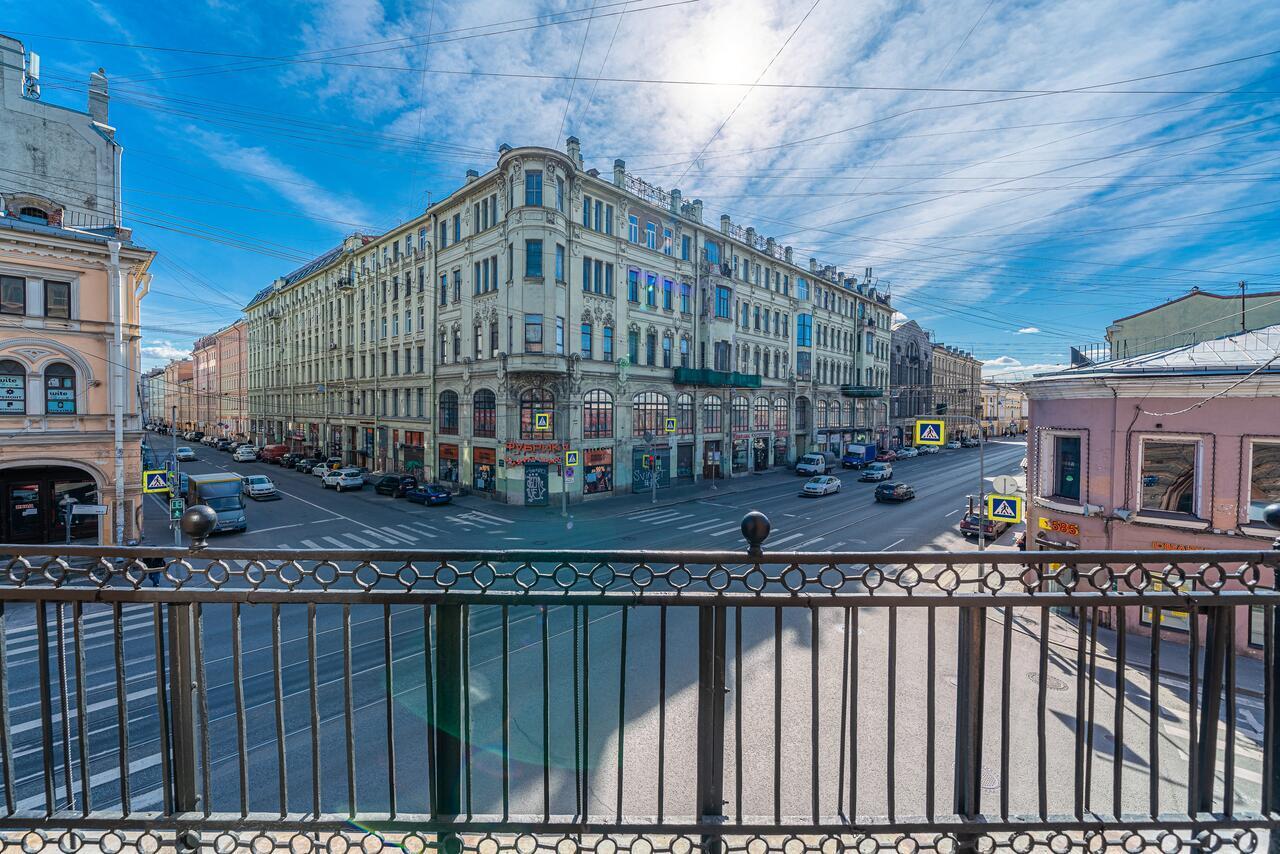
x,y
258,486
823,484
343,479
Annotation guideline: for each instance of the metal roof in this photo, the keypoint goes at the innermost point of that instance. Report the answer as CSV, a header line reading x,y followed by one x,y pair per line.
x,y
1242,353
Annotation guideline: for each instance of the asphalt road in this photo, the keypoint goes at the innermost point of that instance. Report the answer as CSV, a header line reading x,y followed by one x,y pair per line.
x,y
789,688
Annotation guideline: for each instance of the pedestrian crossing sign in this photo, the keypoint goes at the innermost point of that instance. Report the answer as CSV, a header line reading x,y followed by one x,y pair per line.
x,y
1004,508
931,432
155,481
542,421
570,458
671,425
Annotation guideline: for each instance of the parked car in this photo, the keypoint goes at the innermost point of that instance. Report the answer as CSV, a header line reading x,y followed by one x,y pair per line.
x,y
244,454
877,471
286,461
321,468
886,456
969,442
305,464
928,450
343,479
428,493
222,445
823,484
812,464
895,492
907,453
184,454
259,486
969,526
954,445
272,453
394,485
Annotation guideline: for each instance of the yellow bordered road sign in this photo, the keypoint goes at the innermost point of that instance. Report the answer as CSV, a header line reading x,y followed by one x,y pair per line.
x,y
1004,508
570,458
931,432
671,425
542,421
156,480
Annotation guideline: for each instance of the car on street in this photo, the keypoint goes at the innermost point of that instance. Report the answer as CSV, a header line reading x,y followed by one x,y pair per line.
x,y
222,445
991,529
857,454
895,492
954,445
184,454
812,464
907,453
259,486
928,450
823,484
286,461
394,485
969,442
886,456
343,479
877,471
306,464
244,454
272,453
321,468
429,494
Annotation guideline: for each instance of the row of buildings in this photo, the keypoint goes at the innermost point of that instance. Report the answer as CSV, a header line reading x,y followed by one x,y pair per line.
x,y
206,391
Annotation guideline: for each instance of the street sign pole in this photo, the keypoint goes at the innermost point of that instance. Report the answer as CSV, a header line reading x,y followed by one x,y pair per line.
x,y
177,480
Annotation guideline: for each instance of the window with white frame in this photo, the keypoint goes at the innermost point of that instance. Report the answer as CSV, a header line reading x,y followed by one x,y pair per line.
x,y
1264,477
1168,474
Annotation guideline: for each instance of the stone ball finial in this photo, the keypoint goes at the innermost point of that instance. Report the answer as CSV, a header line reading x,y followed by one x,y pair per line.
x,y
755,529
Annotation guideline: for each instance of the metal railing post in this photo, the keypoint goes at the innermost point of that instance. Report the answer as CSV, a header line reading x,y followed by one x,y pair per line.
x,y
449,735
970,656
1217,647
711,692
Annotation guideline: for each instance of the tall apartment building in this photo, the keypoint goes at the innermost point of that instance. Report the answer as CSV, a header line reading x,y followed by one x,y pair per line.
x,y
220,381
910,380
544,307
151,387
957,385
71,285
179,399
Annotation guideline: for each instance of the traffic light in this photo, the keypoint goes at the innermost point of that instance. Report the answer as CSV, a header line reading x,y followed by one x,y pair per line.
x,y
647,461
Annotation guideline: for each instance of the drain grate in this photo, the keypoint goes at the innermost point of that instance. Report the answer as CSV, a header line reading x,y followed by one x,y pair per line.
x,y
1053,683
990,779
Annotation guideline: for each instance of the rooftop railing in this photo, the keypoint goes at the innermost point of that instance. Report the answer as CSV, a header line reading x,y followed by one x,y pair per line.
x,y
637,701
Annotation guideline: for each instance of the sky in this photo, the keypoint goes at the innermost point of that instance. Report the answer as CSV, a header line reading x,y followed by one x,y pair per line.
x,y
1017,174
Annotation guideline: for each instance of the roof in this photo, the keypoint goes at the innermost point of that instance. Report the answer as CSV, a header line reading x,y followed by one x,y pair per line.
x,y
1242,353
260,296
1189,295
98,235
314,264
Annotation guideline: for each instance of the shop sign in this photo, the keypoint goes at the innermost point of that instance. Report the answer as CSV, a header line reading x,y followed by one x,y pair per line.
x,y
1069,528
519,453
597,471
1174,547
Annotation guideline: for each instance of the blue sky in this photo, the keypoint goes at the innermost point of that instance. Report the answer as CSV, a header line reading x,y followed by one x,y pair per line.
x,y
932,142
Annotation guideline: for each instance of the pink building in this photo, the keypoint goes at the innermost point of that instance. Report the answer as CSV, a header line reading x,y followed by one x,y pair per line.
x,y
1174,450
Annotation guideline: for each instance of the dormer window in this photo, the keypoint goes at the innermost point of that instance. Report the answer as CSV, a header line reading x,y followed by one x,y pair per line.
x,y
36,215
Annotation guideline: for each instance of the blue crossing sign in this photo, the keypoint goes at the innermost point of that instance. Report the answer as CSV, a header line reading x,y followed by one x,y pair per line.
x,y
931,432
156,480
1004,508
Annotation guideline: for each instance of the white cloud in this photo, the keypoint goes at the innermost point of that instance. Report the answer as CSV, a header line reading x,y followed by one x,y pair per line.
x,y
165,351
1028,330
1009,369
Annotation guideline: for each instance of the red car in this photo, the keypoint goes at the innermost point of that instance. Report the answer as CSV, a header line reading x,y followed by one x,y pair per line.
x,y
886,457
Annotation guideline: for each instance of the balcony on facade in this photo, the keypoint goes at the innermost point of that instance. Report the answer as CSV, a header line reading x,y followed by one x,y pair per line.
x,y
706,377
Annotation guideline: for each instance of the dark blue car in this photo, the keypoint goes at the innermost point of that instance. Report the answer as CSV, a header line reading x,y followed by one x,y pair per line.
x,y
428,493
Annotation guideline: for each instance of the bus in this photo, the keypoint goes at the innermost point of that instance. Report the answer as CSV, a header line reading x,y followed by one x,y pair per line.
x,y
221,492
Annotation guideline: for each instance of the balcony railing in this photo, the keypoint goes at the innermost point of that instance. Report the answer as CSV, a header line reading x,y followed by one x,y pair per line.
x,y
715,379
861,391
638,701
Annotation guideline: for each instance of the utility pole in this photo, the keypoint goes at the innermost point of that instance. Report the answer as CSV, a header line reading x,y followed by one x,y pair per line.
x,y
117,389
1243,285
175,486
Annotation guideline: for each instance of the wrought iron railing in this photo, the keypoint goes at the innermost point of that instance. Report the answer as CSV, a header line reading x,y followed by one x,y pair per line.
x,y
644,701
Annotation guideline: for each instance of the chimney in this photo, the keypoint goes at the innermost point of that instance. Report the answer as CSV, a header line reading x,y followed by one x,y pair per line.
x,y
771,245
675,202
98,96
788,255
11,63
813,265
574,149
619,173
697,209
725,222
503,149
472,175
751,236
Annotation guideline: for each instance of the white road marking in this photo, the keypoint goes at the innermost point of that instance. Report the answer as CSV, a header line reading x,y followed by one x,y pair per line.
x,y
703,525
311,544
728,530
891,545
318,507
415,533
37,801
492,518
655,515
336,542
109,703
276,528
814,541
952,513
397,535
779,542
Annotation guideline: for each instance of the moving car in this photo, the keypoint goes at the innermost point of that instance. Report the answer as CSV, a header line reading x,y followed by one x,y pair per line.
x,y
927,450
877,471
886,456
184,454
259,486
428,493
969,526
907,453
954,445
812,464
343,479
394,485
895,492
969,442
244,454
823,484
856,455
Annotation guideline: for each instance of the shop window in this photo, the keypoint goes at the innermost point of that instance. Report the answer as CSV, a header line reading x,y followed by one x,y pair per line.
x,y
1168,474
1264,476
13,388
597,415
597,471
537,402
649,411
712,408
60,389
484,413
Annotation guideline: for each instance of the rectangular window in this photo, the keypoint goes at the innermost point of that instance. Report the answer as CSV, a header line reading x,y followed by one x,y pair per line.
x,y
651,235
560,194
633,346
685,245
633,285
586,211
1066,467
560,335
651,289
444,288
533,188
586,275
802,288
475,278
533,258
723,295
457,285
1264,477
684,298
668,291
457,227
559,262
608,218
586,340
713,251
57,299
13,295
804,330
598,270
666,241
608,280
1168,476
533,333
633,228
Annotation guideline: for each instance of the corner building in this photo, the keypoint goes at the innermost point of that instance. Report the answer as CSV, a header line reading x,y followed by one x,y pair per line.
x,y
561,309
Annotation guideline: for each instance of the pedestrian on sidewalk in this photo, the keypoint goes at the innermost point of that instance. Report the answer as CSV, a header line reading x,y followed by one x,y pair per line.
x,y
154,565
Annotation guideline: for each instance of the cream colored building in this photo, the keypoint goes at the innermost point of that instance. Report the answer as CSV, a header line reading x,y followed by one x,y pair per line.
x,y
1004,409
179,403
1192,318
957,385
544,307
71,283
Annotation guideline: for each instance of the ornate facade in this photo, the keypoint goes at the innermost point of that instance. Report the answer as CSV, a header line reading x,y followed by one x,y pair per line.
x,y
911,380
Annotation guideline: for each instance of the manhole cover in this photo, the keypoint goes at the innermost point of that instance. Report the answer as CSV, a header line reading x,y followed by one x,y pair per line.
x,y
990,779
1053,683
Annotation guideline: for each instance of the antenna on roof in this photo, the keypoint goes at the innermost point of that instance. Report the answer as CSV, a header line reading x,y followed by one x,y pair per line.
x,y
31,87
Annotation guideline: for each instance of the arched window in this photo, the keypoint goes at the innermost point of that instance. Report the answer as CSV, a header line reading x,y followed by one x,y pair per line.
x,y
484,413
740,414
711,414
13,388
59,389
597,415
648,413
537,414
684,413
780,413
761,420
448,413
822,413
802,413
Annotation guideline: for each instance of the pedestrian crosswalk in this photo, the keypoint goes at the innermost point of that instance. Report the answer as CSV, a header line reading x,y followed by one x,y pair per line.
x,y
713,528
412,534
